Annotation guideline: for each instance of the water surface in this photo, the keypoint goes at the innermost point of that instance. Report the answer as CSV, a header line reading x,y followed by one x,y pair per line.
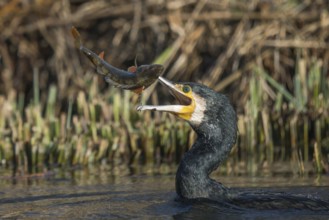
x,y
99,194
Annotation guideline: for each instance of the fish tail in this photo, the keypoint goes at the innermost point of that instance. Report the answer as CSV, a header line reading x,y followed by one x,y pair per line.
x,y
78,43
76,35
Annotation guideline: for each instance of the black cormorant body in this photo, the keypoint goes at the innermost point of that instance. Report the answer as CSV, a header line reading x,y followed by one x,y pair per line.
x,y
216,132
214,120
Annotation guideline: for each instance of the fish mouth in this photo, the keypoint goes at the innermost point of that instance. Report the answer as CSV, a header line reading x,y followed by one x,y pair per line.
x,y
186,104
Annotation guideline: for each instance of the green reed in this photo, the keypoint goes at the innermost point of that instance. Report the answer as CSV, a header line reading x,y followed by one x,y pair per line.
x,y
104,127
297,136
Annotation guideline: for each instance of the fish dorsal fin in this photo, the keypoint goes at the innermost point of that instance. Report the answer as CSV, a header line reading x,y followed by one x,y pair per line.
x,y
101,55
132,69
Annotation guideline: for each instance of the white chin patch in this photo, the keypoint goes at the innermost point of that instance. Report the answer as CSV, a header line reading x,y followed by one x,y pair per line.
x,y
198,114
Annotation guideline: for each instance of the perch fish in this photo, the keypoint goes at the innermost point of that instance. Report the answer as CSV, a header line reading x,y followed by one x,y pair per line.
x,y
137,78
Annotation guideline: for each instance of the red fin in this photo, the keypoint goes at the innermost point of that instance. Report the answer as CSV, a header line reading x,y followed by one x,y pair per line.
x,y
132,69
101,55
77,38
139,90
75,33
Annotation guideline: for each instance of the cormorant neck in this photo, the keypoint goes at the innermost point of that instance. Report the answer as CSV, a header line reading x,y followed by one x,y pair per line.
x,y
216,136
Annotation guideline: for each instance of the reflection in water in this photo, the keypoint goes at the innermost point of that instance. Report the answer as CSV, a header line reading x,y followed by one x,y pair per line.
x,y
97,193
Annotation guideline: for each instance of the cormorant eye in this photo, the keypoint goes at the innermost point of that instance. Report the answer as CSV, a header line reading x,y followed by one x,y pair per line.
x,y
186,89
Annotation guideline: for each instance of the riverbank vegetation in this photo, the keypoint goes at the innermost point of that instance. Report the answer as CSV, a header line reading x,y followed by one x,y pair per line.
x,y
270,58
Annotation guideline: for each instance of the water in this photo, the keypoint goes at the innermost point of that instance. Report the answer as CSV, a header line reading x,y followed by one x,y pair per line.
x,y
98,194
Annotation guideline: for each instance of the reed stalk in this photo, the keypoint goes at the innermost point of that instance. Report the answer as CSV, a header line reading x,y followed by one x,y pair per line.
x,y
55,111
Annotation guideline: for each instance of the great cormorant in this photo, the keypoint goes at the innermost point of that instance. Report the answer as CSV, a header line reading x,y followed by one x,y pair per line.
x,y
213,118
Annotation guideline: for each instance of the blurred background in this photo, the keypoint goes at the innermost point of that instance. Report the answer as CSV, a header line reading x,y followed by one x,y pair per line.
x,y
269,57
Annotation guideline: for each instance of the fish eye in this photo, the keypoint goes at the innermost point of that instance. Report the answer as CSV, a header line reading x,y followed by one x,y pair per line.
x,y
186,89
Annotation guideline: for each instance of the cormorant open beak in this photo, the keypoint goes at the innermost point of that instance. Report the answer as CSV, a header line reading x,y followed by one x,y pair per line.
x,y
183,94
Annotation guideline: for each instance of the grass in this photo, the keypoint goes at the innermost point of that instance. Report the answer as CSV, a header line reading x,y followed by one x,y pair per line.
x,y
55,111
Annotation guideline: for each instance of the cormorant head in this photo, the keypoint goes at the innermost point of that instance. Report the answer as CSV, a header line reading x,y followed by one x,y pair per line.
x,y
197,104
190,105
